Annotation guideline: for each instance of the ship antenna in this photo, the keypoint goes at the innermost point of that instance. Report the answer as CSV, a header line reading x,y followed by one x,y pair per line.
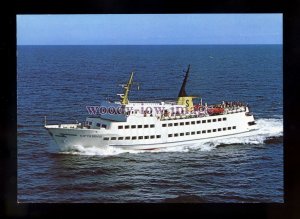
x,y
182,92
124,96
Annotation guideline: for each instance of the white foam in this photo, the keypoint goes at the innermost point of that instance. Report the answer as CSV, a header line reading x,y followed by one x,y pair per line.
x,y
266,128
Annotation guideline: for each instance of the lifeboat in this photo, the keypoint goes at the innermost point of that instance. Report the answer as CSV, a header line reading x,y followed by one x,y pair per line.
x,y
215,111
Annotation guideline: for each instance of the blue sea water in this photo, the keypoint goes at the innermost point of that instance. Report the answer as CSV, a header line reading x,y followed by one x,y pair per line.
x,y
60,81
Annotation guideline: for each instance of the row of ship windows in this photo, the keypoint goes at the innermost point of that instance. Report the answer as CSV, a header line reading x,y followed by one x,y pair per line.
x,y
203,131
169,135
136,126
194,122
133,137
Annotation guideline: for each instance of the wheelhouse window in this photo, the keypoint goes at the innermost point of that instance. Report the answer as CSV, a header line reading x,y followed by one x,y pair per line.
x,y
193,123
214,130
176,135
187,133
182,123
98,125
158,136
164,125
104,126
224,129
198,122
198,132
133,126
146,126
229,128
234,127
140,126
113,138
105,138
127,138
152,136
219,119
140,137
203,121
170,135
120,127
224,119
126,126
219,129
146,137
192,133
170,124
214,120
204,131
208,120
181,134
152,126
187,123
176,124
133,138
208,131
120,138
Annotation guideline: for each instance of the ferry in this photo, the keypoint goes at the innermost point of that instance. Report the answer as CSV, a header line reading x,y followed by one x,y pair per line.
x,y
147,125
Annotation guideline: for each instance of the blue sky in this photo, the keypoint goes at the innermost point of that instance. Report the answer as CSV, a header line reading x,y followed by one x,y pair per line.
x,y
149,29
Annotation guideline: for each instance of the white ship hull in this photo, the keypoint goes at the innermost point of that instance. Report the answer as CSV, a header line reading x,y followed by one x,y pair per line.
x,y
215,127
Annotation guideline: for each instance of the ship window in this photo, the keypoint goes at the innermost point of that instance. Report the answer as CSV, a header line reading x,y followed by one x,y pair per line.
x,y
214,130
133,126
176,135
182,123
198,132
158,136
98,124
103,126
219,119
198,122
181,134
170,124
113,138
234,127
146,126
126,126
164,125
229,128
204,131
140,137
120,127
208,131
170,135
187,133
224,119
140,126
127,138
203,121
208,120
146,137
90,123
152,126
152,136
133,137
193,122
224,129
187,123
120,138
214,120
219,129
176,124
105,138
192,133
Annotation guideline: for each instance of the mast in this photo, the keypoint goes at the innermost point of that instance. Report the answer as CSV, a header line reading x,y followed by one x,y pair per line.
x,y
124,96
182,92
